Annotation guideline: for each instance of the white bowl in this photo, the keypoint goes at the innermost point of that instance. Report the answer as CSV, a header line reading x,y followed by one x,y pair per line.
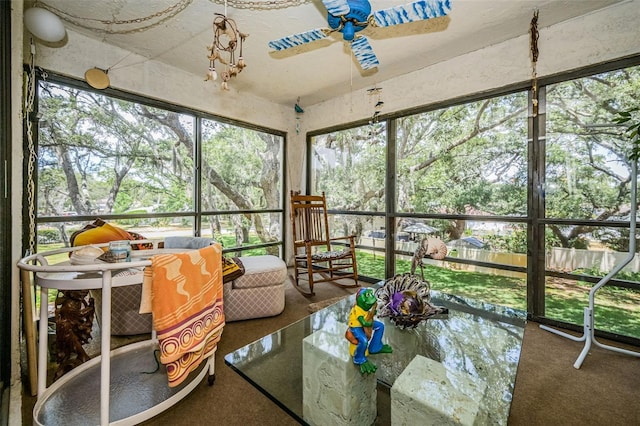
x,y
86,256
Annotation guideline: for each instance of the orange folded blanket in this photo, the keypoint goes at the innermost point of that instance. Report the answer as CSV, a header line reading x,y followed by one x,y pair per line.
x,y
187,306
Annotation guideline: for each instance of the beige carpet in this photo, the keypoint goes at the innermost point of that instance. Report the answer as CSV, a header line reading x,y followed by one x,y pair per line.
x,y
549,391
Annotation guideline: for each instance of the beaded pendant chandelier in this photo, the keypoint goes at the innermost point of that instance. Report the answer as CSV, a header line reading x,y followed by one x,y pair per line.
x,y
226,40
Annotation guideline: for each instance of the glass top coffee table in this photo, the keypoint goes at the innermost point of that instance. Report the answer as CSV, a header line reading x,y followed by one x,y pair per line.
x,y
475,344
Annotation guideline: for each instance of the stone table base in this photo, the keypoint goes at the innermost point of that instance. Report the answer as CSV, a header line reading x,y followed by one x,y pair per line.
x,y
428,394
334,390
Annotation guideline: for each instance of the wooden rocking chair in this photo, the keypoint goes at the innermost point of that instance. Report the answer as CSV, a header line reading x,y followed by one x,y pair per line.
x,y
312,246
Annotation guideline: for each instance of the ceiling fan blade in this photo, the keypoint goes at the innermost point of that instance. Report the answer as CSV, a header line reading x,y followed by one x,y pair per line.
x,y
337,7
363,52
298,39
416,11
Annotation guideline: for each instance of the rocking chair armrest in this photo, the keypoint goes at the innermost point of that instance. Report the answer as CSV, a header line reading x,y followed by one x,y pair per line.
x,y
348,237
309,244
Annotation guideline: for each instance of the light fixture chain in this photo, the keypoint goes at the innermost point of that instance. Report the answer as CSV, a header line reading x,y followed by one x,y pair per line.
x,y
32,157
261,5
165,14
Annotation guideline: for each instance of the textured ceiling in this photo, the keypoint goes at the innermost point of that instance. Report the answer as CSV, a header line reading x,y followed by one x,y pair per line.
x,y
313,72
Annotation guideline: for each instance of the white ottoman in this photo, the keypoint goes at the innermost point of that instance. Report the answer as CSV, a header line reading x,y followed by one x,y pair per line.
x,y
259,292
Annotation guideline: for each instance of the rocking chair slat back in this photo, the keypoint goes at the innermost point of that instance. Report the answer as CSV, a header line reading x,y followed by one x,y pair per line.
x,y
310,223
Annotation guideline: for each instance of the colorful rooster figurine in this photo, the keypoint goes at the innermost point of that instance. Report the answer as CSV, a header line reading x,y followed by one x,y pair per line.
x,y
364,332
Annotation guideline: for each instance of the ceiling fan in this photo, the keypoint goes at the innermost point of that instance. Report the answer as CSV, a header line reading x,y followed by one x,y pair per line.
x,y
351,16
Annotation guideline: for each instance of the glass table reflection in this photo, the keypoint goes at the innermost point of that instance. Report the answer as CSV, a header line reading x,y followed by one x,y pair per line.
x,y
476,338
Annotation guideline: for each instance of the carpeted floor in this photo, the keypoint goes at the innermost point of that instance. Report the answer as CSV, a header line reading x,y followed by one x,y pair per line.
x,y
548,391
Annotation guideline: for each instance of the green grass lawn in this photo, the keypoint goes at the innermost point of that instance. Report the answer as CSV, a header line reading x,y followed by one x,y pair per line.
x,y
617,310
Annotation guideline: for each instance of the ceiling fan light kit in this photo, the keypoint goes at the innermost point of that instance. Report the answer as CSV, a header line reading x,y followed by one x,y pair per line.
x,y
353,18
349,17
44,25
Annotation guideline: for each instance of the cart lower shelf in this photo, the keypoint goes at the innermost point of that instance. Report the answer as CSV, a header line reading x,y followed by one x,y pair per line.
x,y
138,389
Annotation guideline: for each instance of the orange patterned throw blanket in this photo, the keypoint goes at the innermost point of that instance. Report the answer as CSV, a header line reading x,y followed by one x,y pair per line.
x,y
186,301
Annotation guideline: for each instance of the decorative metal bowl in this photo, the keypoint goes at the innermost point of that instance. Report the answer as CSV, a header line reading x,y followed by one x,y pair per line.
x,y
406,300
